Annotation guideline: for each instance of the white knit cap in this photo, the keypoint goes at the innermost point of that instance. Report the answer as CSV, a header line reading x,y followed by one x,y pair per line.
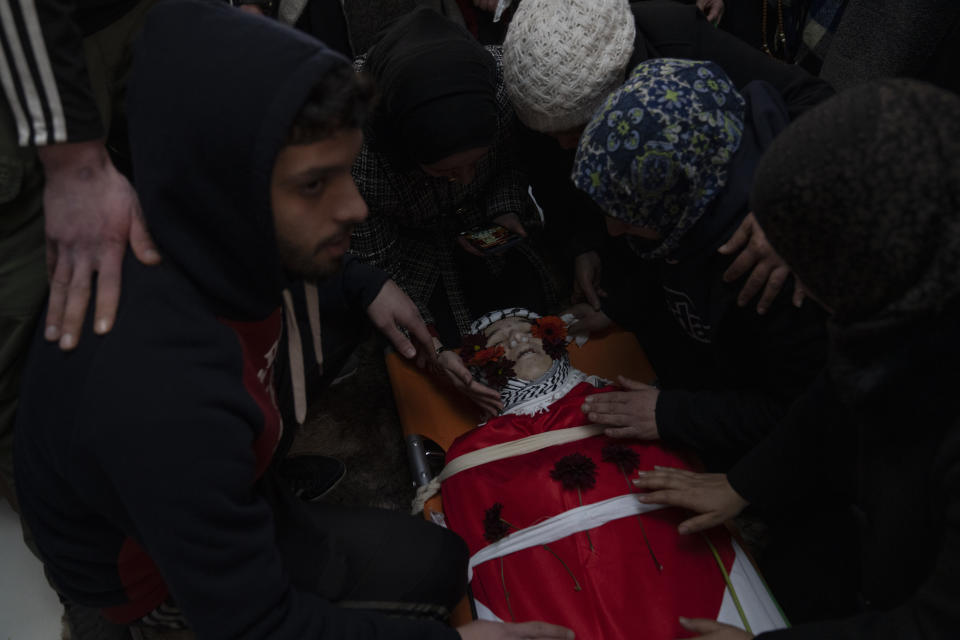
x,y
561,58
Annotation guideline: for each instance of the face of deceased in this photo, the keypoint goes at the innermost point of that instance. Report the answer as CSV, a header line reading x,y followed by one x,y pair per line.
x,y
519,345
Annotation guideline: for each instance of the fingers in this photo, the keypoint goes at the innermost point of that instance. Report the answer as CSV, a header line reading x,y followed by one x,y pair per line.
x,y
484,391
538,630
62,273
799,293
607,400
754,284
701,522
417,328
633,385
108,288
613,419
778,277
591,295
701,625
624,433
75,308
512,222
469,248
399,341
140,240
737,241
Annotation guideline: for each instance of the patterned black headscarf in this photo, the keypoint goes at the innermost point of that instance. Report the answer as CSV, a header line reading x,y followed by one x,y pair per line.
x,y
861,196
437,88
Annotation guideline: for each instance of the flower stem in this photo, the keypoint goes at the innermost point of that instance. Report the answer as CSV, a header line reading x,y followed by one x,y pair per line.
x,y
589,541
506,594
726,579
576,583
643,530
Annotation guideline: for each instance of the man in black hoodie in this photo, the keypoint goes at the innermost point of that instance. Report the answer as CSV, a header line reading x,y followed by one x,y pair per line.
x,y
146,482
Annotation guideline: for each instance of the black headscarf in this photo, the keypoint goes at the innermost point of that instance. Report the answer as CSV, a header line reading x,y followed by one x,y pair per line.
x,y
437,89
861,196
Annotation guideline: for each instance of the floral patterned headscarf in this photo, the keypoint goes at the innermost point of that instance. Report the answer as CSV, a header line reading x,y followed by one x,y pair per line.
x,y
656,153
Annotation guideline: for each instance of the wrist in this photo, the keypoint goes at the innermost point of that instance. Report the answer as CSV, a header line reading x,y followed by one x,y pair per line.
x,y
73,159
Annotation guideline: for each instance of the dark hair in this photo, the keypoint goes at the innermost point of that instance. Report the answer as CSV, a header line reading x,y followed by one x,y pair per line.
x,y
341,100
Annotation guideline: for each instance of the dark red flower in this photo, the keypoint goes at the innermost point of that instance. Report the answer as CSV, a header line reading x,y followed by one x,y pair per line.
x,y
555,351
549,329
471,344
575,471
498,372
621,455
494,528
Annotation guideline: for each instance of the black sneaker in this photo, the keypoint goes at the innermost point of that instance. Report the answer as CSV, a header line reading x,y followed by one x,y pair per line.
x,y
311,477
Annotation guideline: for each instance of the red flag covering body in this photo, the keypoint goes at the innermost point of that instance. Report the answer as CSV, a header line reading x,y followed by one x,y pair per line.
x,y
623,595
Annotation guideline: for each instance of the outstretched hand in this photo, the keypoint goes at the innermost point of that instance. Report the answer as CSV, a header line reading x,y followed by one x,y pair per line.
x,y
708,494
587,274
769,271
630,414
588,320
486,398
713,630
392,310
483,630
91,214
713,9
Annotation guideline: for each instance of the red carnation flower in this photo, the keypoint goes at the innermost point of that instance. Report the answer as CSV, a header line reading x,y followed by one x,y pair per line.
x,y
471,344
549,329
498,372
484,356
621,455
575,471
494,527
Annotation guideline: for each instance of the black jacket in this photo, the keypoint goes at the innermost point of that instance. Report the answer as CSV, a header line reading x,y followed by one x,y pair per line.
x,y
140,481
727,374
665,29
883,425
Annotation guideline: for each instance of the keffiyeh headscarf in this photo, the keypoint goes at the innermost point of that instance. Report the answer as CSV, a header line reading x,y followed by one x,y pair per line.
x,y
656,153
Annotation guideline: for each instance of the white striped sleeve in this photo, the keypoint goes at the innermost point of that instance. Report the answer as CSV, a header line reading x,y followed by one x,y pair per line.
x,y
33,39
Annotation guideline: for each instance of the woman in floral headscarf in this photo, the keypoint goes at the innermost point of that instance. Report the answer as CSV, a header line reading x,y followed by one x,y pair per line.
x,y
670,159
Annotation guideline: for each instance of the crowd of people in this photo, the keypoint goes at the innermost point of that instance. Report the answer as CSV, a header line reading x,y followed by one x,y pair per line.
x,y
203,208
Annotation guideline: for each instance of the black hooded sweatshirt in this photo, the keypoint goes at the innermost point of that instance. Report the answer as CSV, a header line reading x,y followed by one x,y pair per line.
x,y
138,454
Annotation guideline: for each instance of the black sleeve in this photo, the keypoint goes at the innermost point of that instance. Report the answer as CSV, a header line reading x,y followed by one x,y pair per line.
x,y
768,361
672,30
182,466
44,74
810,450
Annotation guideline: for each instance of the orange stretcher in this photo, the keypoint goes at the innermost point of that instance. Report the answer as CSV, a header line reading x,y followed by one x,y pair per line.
x,y
432,409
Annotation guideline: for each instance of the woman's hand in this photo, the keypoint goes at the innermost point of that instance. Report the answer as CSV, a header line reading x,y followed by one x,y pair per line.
x,y
630,414
708,494
587,272
589,320
486,398
769,271
483,630
713,630
713,9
